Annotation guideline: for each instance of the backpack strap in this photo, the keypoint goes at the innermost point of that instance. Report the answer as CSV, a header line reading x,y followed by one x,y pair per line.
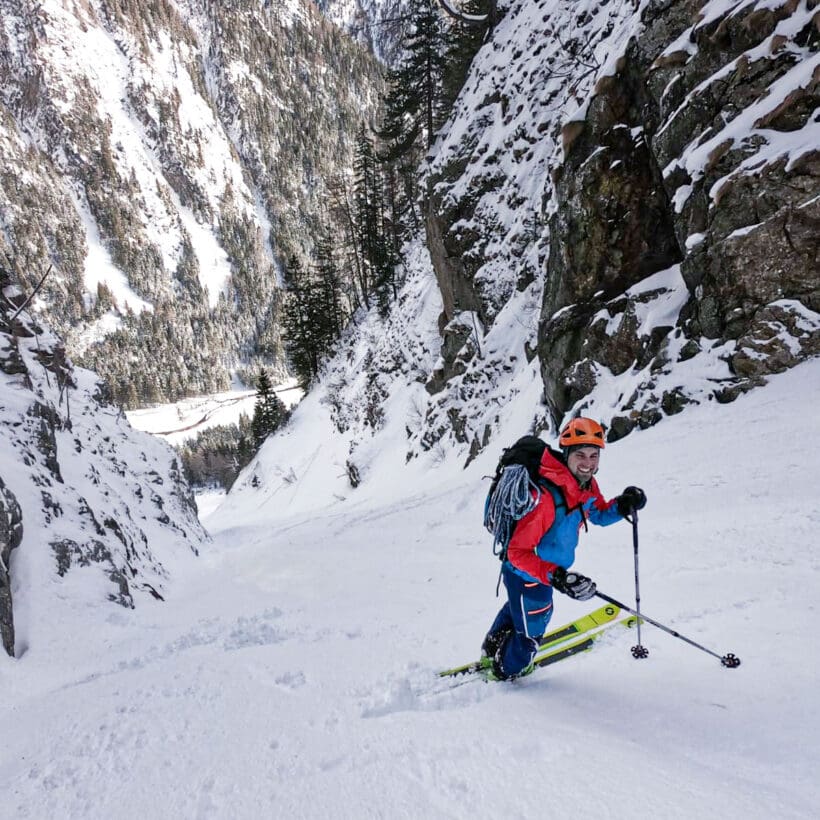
x,y
560,500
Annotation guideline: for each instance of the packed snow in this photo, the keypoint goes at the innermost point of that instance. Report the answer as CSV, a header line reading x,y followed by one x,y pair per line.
x,y
293,672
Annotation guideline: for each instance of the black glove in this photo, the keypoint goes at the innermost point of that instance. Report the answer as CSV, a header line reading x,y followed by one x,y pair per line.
x,y
573,584
631,499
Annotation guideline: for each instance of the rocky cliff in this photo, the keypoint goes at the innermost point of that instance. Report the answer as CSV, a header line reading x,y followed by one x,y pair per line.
x,y
700,149
90,509
637,187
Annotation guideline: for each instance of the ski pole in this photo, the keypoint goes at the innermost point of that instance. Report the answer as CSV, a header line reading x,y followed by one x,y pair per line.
x,y
638,651
729,660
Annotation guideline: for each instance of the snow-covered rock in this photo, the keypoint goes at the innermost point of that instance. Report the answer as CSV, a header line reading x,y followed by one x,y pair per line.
x,y
90,509
631,191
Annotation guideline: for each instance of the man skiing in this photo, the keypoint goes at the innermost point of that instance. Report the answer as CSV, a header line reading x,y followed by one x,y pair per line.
x,y
542,547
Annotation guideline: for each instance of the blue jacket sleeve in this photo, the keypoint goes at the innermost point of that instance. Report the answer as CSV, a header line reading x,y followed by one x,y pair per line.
x,y
602,513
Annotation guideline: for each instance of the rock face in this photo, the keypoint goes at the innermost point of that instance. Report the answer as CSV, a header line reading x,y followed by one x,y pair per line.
x,y
11,534
78,487
697,151
650,173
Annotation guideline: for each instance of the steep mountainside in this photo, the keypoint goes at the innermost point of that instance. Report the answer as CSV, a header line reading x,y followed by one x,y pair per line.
x,y
93,509
164,158
374,23
621,218
640,183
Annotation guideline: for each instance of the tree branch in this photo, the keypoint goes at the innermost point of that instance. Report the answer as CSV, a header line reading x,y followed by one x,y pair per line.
x,y
470,19
30,296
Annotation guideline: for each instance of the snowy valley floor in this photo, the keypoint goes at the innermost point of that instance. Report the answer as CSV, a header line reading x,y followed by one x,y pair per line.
x,y
294,675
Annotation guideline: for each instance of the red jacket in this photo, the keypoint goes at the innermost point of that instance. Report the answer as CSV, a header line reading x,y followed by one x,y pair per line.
x,y
548,535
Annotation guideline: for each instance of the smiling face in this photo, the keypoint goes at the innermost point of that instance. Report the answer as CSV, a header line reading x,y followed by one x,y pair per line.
x,y
583,463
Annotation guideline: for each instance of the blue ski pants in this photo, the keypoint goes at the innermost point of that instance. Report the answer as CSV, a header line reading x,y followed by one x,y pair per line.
x,y
527,612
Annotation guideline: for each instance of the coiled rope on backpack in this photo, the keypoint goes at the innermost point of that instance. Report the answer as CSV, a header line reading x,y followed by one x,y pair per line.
x,y
507,503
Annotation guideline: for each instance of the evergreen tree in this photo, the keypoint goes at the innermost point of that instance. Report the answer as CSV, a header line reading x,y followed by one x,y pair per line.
x,y
413,103
463,40
412,112
296,323
268,413
305,321
217,455
341,205
328,273
376,250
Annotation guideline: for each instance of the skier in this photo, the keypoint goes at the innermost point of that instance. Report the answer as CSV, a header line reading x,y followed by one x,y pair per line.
x,y
542,547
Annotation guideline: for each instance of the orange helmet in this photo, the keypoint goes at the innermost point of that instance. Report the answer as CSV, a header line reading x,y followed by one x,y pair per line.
x,y
582,432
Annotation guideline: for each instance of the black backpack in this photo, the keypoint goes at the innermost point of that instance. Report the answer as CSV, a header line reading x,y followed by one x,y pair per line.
x,y
510,496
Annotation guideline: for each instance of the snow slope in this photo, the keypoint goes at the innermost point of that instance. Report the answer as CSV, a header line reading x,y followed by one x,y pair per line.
x,y
295,677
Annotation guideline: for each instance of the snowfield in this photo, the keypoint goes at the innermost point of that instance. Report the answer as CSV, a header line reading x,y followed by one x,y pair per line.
x,y
185,419
293,675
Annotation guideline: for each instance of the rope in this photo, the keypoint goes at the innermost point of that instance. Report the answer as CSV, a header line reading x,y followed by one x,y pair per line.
x,y
511,501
